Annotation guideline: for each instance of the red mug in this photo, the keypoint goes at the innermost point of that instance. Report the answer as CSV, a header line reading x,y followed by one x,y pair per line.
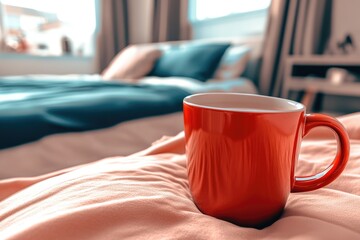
x,y
242,150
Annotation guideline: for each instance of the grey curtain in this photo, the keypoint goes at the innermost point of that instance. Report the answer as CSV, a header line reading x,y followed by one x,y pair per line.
x,y
114,32
295,27
170,20
273,40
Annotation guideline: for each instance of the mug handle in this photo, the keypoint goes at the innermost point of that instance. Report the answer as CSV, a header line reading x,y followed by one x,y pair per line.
x,y
325,177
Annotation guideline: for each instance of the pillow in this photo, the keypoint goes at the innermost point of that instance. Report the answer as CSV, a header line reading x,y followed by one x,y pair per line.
x,y
133,62
233,63
198,61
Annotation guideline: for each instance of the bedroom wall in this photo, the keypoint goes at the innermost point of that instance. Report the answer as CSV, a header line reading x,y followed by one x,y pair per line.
x,y
345,19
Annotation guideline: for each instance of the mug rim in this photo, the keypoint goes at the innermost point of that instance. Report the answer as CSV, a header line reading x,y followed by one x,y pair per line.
x,y
296,106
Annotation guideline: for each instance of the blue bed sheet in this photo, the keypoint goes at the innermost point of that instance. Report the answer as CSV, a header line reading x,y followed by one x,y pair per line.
x,y
30,110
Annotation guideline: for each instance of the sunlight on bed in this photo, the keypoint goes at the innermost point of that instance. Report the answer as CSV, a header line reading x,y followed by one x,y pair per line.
x,y
13,96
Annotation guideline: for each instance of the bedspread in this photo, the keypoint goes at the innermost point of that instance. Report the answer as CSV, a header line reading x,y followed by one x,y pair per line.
x,y
32,109
146,196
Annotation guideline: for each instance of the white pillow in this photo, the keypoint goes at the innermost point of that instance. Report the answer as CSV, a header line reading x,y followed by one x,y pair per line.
x,y
233,63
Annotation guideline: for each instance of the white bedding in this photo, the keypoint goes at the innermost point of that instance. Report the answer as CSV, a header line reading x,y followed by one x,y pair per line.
x,y
195,86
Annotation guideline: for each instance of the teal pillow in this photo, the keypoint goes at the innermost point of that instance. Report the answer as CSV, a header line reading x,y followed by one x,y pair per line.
x,y
198,61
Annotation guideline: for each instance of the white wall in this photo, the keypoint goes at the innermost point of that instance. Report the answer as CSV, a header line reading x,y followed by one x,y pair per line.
x,y
11,64
14,64
345,19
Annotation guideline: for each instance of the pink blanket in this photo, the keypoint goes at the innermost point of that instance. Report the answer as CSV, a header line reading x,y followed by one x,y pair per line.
x,y
146,196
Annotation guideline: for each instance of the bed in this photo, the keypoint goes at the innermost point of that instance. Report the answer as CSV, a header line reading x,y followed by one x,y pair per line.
x,y
32,109
145,196
141,81
51,122
112,138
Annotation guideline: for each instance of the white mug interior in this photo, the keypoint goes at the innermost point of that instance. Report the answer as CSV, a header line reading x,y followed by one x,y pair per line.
x,y
240,102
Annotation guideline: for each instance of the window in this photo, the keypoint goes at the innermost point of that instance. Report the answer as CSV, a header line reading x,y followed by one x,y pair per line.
x,y
51,28
207,9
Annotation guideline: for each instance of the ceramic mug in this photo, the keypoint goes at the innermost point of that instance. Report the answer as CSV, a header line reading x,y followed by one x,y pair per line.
x,y
242,150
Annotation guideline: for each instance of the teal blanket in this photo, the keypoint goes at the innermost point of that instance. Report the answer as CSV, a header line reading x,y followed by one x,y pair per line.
x,y
32,109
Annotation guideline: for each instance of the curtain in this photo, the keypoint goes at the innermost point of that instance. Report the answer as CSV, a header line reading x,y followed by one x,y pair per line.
x,y
114,30
295,27
170,20
2,34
